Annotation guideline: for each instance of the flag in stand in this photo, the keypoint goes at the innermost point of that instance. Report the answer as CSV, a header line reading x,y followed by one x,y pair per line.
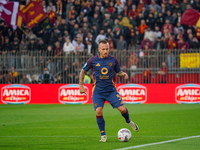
x,y
191,17
32,13
8,11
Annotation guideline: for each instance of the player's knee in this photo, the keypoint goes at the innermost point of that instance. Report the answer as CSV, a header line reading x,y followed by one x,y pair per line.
x,y
122,109
99,111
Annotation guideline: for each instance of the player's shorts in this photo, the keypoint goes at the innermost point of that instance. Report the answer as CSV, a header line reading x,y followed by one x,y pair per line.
x,y
112,97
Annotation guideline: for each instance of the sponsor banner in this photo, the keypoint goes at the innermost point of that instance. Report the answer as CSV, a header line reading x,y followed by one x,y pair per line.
x,y
189,60
188,93
69,93
133,93
15,94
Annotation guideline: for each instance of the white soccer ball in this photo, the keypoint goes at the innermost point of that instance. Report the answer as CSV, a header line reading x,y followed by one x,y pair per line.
x,y
124,135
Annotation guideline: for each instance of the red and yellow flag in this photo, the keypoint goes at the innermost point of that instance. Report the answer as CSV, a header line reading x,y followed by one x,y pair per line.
x,y
191,17
32,14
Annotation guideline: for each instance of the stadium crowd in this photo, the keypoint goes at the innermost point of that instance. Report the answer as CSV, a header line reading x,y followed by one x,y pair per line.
x,y
137,29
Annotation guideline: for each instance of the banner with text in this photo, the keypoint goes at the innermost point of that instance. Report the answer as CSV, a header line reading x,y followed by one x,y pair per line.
x,y
69,93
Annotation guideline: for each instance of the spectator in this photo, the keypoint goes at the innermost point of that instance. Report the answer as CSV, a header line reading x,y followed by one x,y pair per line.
x,y
138,38
13,74
183,5
119,6
58,55
33,80
160,20
139,18
125,11
24,80
177,28
168,26
133,12
150,21
49,55
133,78
148,34
65,74
101,36
87,79
147,42
24,54
15,53
6,48
68,50
73,76
59,80
163,73
142,27
85,9
196,5
59,7
121,44
132,61
155,6
46,77
195,43
132,46
170,6
182,45
147,73
157,33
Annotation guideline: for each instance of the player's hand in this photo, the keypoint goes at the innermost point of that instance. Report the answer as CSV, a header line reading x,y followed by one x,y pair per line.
x,y
82,90
125,75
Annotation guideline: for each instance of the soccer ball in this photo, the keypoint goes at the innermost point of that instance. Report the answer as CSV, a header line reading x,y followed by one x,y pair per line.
x,y
124,135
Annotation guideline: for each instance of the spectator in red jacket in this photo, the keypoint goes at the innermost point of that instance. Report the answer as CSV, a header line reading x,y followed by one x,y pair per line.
x,y
147,73
183,45
163,73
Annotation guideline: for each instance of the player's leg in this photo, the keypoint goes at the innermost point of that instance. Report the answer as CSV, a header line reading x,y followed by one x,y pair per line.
x,y
125,114
116,101
98,103
101,123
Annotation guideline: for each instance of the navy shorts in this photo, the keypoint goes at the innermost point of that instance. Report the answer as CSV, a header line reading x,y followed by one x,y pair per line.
x,y
112,97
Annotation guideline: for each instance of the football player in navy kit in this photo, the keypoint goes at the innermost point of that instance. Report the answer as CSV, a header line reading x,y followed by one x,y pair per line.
x,y
103,67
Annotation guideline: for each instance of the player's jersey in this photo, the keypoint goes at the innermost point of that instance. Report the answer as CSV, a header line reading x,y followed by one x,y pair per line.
x,y
103,72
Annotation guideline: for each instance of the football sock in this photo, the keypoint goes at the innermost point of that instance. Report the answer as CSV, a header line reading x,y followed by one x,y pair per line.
x,y
126,116
101,124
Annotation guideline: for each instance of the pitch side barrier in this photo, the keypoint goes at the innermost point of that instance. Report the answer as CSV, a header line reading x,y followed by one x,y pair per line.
x,y
183,66
69,93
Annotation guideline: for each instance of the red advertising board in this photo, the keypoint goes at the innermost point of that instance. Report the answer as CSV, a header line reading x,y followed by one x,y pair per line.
x,y
69,93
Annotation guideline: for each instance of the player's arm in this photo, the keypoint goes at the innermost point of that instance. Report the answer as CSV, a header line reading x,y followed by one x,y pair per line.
x,y
122,74
81,78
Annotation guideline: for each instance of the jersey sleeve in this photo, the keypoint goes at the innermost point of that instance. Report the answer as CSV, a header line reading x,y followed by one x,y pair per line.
x,y
88,65
117,67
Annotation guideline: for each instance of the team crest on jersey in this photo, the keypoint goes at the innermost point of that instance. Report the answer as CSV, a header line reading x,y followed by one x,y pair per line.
x,y
110,64
98,64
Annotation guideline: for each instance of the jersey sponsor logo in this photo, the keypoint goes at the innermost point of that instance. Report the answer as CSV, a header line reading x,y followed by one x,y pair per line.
x,y
69,94
133,93
104,70
98,64
16,94
187,94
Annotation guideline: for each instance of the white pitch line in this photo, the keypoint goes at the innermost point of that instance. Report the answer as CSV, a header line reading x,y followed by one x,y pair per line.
x,y
163,142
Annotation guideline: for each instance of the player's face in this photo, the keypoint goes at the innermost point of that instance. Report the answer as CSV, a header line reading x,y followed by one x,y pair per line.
x,y
103,50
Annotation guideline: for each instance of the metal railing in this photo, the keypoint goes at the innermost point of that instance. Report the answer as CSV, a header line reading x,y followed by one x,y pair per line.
x,y
183,66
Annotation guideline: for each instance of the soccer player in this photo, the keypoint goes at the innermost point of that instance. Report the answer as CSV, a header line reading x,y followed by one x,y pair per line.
x,y
103,67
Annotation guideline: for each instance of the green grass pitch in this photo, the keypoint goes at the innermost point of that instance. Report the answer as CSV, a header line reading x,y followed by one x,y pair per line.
x,y
73,127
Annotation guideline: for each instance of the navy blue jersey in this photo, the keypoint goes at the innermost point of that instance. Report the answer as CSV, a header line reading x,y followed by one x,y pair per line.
x,y
103,72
